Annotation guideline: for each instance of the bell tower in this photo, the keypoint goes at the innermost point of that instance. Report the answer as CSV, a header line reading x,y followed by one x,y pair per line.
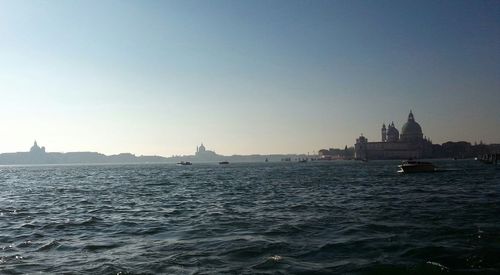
x,y
384,133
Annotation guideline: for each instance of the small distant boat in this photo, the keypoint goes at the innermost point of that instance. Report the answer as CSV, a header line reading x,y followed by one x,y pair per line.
x,y
224,162
184,163
411,166
302,160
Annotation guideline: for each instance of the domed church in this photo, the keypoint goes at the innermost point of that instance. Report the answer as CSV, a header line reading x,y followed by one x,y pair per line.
x,y
411,143
205,155
411,131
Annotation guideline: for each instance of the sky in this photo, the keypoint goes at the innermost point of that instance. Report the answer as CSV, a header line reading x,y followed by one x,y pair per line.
x,y
244,77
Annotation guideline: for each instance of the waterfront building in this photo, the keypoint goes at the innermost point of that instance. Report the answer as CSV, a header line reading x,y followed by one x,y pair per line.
x,y
205,155
35,149
411,143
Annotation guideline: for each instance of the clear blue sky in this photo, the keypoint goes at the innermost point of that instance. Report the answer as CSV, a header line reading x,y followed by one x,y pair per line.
x,y
159,77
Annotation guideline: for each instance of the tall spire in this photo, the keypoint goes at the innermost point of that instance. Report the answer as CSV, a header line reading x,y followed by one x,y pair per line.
x,y
410,116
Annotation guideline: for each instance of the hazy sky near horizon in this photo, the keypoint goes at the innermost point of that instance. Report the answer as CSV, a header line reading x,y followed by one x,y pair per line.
x,y
159,77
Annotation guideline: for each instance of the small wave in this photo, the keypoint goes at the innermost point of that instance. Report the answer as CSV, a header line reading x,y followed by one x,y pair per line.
x,y
255,250
25,244
11,259
28,225
99,247
275,258
67,224
128,223
108,269
270,264
438,265
92,220
172,213
50,246
7,248
284,229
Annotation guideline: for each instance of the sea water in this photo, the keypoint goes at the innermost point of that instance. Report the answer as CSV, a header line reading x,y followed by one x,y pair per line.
x,y
266,218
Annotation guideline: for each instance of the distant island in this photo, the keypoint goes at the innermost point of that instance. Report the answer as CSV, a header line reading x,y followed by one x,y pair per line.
x,y
38,155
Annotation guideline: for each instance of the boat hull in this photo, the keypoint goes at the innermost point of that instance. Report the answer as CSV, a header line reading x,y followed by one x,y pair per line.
x,y
417,167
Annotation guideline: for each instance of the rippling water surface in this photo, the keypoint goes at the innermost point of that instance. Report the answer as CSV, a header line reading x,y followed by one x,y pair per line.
x,y
276,218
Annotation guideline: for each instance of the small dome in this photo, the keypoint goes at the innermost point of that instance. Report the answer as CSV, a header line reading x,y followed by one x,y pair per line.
x,y
361,139
202,148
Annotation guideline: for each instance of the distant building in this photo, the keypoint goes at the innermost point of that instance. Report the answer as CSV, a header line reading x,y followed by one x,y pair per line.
x,y
205,155
411,143
334,153
35,149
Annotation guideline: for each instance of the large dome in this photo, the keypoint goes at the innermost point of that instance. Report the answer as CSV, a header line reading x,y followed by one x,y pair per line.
x,y
411,130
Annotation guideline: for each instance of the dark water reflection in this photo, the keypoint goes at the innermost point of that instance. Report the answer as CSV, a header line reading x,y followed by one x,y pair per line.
x,y
308,218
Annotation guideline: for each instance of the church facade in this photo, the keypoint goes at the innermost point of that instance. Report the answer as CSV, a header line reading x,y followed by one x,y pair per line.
x,y
411,143
205,155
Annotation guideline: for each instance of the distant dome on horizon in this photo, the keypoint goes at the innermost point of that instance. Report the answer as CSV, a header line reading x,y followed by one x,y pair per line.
x,y
37,149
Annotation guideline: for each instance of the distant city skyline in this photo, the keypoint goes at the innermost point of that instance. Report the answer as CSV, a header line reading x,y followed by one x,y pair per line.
x,y
244,77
